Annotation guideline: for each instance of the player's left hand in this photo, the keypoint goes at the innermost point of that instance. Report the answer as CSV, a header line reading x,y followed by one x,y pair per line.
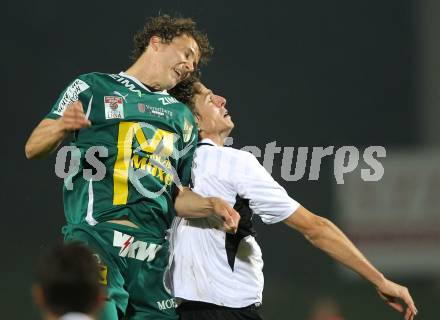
x,y
392,292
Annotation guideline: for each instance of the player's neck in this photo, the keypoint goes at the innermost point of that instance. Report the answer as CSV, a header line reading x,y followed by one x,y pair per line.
x,y
218,139
145,73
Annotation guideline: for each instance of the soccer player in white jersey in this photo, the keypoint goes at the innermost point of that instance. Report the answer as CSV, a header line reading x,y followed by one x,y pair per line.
x,y
219,276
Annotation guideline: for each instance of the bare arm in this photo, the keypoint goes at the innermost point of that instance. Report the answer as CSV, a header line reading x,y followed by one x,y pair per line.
x,y
325,235
45,138
189,204
49,133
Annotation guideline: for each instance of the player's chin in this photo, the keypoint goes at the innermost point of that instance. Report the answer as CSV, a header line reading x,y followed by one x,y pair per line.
x,y
176,78
171,83
229,122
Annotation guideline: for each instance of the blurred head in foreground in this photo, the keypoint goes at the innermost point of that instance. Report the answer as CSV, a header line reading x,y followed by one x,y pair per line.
x,y
67,282
326,308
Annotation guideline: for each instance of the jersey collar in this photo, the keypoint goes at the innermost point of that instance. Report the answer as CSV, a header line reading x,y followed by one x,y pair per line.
x,y
75,316
206,142
140,84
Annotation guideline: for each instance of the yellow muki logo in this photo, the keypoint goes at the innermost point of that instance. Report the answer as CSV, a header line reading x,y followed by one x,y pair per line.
x,y
158,149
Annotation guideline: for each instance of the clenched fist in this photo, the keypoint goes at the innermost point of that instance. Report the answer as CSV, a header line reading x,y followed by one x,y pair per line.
x,y
74,117
226,213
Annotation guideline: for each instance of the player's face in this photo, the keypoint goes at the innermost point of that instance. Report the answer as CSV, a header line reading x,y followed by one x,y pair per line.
x,y
212,115
176,60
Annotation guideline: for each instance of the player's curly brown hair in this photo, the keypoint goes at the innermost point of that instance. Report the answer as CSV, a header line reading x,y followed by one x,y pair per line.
x,y
185,91
167,28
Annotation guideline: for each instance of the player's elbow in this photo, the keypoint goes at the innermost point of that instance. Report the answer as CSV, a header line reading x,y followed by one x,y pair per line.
x,y
32,152
29,151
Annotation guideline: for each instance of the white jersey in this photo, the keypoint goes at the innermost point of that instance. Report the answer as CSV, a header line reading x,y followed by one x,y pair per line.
x,y
75,316
208,264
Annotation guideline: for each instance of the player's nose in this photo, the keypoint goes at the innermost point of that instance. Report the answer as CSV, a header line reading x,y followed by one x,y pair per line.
x,y
219,101
189,66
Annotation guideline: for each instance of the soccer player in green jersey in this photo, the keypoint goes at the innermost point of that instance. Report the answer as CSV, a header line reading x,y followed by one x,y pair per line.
x,y
131,159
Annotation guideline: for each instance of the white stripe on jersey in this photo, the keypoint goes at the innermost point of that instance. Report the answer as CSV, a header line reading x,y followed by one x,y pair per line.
x,y
89,107
89,218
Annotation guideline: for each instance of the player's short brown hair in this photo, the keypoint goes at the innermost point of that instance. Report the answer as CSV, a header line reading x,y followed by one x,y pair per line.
x,y
185,91
167,28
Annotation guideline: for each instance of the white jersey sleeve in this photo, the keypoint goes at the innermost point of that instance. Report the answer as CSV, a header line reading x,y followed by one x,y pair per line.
x,y
266,197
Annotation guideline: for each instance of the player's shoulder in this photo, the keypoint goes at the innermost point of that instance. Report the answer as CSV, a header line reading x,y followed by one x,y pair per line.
x,y
250,162
90,78
239,155
96,76
100,81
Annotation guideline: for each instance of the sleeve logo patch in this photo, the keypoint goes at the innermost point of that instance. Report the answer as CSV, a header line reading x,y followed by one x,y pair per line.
x,y
71,95
114,107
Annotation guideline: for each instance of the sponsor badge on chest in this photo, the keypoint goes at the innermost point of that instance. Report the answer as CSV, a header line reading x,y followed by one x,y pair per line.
x,y
114,107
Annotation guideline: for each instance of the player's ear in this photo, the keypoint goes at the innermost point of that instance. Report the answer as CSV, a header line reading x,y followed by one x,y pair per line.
x,y
198,119
155,42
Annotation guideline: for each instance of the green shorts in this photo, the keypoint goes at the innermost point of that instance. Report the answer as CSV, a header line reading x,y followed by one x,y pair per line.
x,y
132,268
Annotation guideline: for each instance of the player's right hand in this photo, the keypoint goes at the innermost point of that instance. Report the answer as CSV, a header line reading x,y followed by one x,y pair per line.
x,y
392,292
74,118
227,214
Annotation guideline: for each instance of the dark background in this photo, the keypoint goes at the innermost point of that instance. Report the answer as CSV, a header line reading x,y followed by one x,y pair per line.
x,y
303,73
